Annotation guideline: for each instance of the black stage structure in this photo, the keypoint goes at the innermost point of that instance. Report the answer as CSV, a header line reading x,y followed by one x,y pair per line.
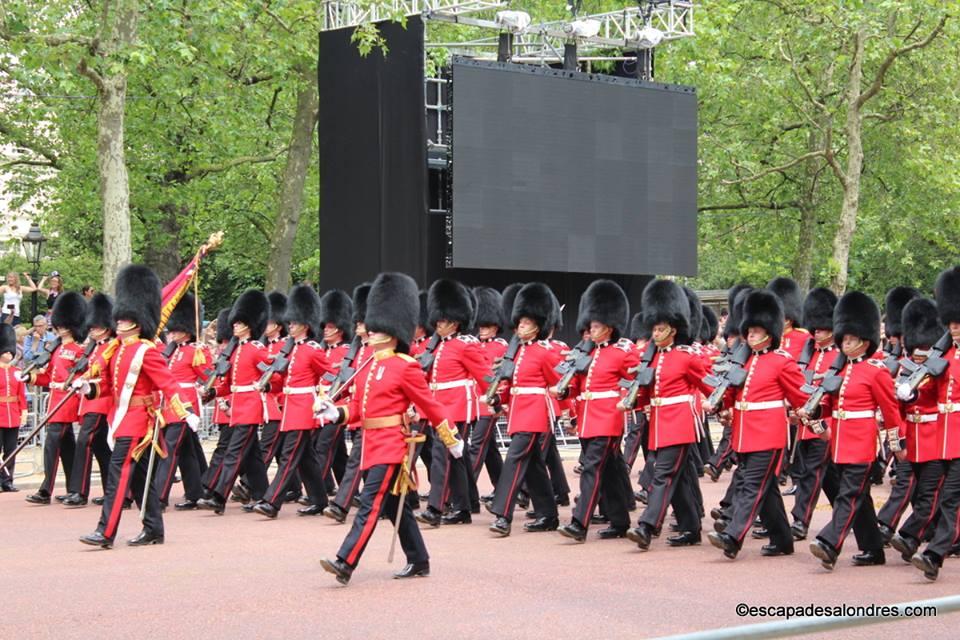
x,y
514,139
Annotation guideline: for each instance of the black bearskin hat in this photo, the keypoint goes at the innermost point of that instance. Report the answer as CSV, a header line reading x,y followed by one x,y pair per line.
x,y
252,309
604,301
138,299
537,302
8,339
472,326
665,301
637,330
921,326
557,325
100,312
183,317
818,309
897,298
762,308
489,307
509,295
360,293
735,299
696,317
449,300
791,297
278,309
393,308
70,312
304,306
947,294
336,308
224,330
709,326
422,321
858,315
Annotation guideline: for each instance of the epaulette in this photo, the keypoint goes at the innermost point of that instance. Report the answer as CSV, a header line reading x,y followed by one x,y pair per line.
x,y
150,343
464,337
785,354
406,357
68,355
624,345
559,343
257,344
686,348
546,344
501,341
878,364
313,343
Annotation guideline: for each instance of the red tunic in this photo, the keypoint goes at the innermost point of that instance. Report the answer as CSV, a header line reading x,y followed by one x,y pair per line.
x,y
363,354
274,398
13,398
247,403
385,388
793,342
530,407
948,404
308,364
598,391
921,422
186,374
55,375
492,350
98,405
673,397
819,363
459,366
867,386
759,406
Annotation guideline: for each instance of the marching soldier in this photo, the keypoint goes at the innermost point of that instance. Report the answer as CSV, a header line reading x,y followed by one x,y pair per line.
x,y
68,319
13,404
866,387
92,440
132,371
385,389
795,337
483,441
270,438
423,450
221,418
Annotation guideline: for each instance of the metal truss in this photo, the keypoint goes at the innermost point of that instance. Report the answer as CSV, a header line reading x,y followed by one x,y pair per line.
x,y
341,14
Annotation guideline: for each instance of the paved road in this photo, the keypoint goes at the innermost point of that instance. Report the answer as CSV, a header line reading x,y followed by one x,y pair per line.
x,y
242,576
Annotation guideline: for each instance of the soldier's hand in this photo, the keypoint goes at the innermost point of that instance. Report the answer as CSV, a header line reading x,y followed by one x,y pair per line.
x,y
456,449
193,421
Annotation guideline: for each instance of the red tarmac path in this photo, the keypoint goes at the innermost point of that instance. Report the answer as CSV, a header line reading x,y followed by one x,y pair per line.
x,y
242,576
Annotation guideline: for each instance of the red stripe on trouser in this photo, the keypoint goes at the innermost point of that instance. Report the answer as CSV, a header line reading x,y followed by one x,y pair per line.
x,y
482,452
673,474
771,468
445,492
815,492
328,454
285,473
906,499
173,455
372,517
516,477
934,508
853,510
236,468
87,459
596,485
269,455
123,485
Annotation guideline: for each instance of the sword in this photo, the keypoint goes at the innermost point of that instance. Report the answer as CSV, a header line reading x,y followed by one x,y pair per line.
x,y
153,458
405,481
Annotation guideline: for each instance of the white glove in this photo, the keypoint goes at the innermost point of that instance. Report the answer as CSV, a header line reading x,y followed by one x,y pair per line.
x,y
816,426
328,411
456,450
893,440
193,421
904,393
81,386
22,376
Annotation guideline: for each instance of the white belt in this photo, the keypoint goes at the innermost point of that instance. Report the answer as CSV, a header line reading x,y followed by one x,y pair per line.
x,y
298,391
453,384
758,406
853,415
58,386
187,385
528,391
243,388
922,417
666,401
598,395
950,407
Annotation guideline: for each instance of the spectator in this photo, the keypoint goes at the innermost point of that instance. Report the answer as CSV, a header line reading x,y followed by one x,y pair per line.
x,y
21,331
13,292
87,292
35,342
53,290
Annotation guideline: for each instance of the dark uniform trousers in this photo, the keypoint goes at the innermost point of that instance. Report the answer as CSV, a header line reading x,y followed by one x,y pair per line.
x,y
91,443
8,442
636,438
243,451
602,464
350,482
271,443
483,449
450,477
922,521
59,446
671,480
901,495
849,493
554,464
325,441
128,475
724,451
646,474
298,455
424,450
808,478
757,491
376,500
340,457
946,532
215,468
181,453
524,463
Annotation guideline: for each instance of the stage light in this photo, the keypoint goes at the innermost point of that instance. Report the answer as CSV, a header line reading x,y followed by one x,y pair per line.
x,y
515,21
582,28
649,37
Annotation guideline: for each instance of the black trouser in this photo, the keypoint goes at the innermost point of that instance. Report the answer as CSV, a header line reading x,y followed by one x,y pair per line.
x,y
852,507
182,454
324,442
921,523
350,482
126,475
705,445
901,495
59,446
602,468
814,455
726,502
215,468
298,454
424,450
671,478
646,474
636,437
757,491
376,499
524,463
340,457
484,450
691,486
945,535
554,464
724,452
449,481
91,443
8,442
244,450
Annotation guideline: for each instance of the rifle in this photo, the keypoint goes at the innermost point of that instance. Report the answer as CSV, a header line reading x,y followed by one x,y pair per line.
x,y
406,480
731,376
40,425
427,356
892,359
44,358
279,364
169,349
805,357
644,378
829,384
220,367
504,370
346,371
913,374
577,361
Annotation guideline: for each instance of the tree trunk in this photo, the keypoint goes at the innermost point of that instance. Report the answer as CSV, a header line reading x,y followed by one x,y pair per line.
x,y
162,250
806,237
114,187
290,205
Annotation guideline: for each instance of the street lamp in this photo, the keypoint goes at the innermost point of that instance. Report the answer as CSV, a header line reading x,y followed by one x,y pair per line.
x,y
33,249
